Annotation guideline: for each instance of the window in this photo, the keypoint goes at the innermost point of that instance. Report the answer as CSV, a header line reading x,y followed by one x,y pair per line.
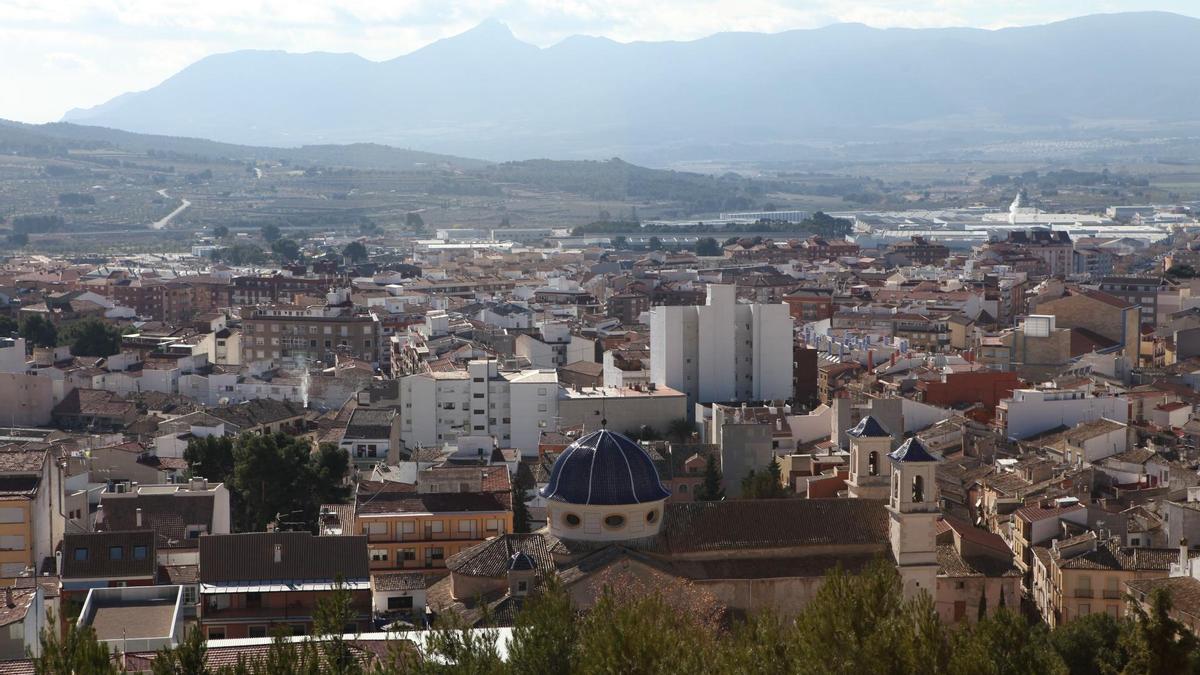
x,y
400,602
873,464
652,517
139,552
81,554
541,391
541,407
435,526
12,515
379,555
477,395
253,600
436,553
408,554
614,521
408,527
256,631
918,489
15,542
571,520
683,488
465,526
374,528
216,632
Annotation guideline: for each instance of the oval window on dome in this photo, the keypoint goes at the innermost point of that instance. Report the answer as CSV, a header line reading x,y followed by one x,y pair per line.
x,y
571,520
651,517
614,521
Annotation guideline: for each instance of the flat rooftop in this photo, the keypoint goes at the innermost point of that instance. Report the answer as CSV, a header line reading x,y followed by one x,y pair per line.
x,y
616,392
133,619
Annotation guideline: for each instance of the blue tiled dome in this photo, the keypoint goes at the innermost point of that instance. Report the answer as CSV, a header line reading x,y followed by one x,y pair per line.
x,y
869,427
912,451
604,468
520,562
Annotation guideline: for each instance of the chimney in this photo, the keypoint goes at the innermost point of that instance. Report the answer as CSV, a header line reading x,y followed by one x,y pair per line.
x,y
278,553
138,515
1183,556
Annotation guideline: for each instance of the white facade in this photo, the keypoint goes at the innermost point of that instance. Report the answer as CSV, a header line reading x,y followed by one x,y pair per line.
x,y
12,356
513,408
1031,411
723,351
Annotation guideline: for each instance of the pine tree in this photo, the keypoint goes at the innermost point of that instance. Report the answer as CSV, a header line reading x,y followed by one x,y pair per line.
x,y
520,510
1158,644
185,659
76,652
710,490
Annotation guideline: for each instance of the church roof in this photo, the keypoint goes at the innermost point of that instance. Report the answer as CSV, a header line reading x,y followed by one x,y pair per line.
x,y
912,450
606,468
869,427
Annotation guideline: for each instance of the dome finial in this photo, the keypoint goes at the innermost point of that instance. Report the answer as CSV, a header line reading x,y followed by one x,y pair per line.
x,y
604,423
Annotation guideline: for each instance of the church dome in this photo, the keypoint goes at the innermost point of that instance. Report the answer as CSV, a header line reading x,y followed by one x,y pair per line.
x,y
604,468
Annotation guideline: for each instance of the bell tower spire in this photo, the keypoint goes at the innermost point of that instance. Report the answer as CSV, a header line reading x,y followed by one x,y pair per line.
x,y
914,509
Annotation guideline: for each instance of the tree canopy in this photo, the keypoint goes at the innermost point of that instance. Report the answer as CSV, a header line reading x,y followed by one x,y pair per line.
x,y
355,251
39,331
272,477
91,337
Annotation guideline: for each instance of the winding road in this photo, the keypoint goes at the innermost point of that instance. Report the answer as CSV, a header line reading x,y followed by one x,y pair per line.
x,y
166,220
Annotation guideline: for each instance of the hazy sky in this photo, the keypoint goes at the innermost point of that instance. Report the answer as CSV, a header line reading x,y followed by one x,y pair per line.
x,y
59,54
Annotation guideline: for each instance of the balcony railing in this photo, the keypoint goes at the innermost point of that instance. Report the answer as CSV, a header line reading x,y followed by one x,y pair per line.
x,y
1084,593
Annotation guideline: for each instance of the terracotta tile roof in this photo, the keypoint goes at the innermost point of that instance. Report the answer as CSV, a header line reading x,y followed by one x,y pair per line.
x,y
21,598
490,559
951,563
178,574
16,459
1109,556
251,557
772,523
399,581
1185,592
1036,513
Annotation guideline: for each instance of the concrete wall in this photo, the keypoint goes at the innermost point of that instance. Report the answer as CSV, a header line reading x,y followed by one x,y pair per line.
x,y
26,400
1028,418
624,413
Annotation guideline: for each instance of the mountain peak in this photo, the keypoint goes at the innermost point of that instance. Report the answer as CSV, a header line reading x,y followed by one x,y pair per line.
x,y
489,31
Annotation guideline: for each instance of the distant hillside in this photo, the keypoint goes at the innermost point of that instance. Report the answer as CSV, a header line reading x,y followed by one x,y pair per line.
x,y
732,95
57,138
616,180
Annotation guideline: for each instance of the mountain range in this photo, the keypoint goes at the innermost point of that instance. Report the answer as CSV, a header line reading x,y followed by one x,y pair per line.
x,y
794,94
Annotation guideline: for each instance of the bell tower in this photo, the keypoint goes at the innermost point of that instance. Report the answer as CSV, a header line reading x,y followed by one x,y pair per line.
x,y
869,468
914,510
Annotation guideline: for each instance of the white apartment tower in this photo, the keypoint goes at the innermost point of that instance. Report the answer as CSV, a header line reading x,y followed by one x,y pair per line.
x,y
511,407
723,351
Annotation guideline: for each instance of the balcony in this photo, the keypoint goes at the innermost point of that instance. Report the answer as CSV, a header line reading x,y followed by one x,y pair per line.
x,y
1111,594
1084,593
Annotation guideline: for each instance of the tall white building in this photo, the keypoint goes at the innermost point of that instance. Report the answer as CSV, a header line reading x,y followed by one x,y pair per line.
x,y
511,407
723,351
